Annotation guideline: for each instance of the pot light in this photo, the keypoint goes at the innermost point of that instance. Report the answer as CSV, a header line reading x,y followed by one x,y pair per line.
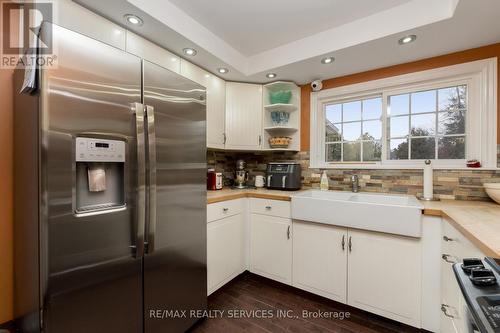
x,y
133,19
327,60
407,39
189,51
222,70
270,75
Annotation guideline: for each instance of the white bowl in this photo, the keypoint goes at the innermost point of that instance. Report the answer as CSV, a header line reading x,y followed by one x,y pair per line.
x,y
493,190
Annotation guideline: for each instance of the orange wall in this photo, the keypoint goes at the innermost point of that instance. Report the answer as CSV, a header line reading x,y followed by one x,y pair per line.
x,y
489,51
6,237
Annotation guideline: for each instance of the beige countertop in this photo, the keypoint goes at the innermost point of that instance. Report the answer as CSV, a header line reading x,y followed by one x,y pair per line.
x,y
478,221
230,194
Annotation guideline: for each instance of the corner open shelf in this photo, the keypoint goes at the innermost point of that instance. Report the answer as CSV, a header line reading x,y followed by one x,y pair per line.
x,y
281,107
292,127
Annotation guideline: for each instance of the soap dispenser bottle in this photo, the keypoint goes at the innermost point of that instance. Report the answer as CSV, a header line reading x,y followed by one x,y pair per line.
x,y
324,182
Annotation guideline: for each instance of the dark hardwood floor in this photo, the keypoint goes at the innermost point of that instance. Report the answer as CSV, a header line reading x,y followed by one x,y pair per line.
x,y
251,294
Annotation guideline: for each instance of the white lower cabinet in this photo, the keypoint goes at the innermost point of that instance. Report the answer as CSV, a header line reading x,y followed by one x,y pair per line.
x,y
271,247
385,275
455,247
225,250
320,259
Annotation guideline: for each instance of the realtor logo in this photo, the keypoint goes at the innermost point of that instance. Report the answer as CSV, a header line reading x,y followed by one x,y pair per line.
x,y
22,43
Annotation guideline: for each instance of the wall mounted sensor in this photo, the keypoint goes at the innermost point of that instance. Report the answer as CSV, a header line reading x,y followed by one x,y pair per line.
x,y
316,85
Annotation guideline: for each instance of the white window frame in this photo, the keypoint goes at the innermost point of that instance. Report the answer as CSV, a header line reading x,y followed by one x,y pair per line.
x,y
481,117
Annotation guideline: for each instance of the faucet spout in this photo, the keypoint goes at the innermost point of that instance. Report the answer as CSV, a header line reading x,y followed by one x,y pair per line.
x,y
355,183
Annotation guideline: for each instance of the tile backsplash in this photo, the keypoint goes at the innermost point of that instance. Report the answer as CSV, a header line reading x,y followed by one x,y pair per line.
x,y
448,184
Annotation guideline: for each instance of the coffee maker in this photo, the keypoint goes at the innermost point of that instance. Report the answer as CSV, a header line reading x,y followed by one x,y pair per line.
x,y
241,176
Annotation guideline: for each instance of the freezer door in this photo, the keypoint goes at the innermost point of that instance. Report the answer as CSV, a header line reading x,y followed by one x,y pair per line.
x,y
91,272
175,259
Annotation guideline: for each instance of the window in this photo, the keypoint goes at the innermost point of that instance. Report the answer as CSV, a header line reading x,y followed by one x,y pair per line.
x,y
353,131
427,124
447,115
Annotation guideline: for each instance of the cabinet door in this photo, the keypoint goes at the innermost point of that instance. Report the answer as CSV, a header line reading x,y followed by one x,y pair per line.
x,y
216,100
225,251
384,275
271,247
243,116
320,259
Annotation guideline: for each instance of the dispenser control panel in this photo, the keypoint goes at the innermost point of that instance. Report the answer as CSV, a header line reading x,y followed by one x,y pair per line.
x,y
99,150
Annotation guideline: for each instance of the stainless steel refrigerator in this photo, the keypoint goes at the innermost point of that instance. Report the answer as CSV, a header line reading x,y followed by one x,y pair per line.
x,y
110,193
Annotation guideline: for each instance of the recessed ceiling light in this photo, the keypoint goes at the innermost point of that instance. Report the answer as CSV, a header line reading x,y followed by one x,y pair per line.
x,y
327,60
189,51
133,19
270,75
407,39
222,70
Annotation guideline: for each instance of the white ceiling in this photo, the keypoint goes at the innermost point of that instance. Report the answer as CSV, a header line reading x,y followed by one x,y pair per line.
x,y
360,39
255,26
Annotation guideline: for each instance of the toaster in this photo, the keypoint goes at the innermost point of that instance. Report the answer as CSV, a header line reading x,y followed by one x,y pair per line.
x,y
283,176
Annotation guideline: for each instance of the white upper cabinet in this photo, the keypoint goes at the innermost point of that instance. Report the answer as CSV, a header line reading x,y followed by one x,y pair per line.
x,y
243,116
216,101
74,17
152,52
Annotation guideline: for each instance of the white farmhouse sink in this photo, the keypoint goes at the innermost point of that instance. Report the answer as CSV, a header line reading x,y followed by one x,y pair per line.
x,y
394,214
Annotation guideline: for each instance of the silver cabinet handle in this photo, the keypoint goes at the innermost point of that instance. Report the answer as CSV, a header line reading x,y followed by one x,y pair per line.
x,y
448,239
138,110
151,195
288,233
444,308
260,140
225,210
268,207
350,244
446,257
224,138
343,242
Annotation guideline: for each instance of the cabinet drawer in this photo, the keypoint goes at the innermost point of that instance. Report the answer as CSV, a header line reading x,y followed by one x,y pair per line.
x,y
223,209
271,207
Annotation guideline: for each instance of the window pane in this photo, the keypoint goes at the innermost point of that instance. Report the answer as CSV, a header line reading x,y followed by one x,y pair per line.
x,y
399,127
333,113
423,124
372,108
332,132
352,131
352,111
372,130
462,97
399,104
448,99
352,152
372,151
451,122
333,152
423,148
398,149
451,147
424,101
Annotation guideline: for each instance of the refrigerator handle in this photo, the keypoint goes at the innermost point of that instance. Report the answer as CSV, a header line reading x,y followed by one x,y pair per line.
x,y
138,110
151,223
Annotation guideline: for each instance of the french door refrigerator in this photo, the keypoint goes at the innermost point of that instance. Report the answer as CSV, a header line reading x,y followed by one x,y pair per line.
x,y
110,193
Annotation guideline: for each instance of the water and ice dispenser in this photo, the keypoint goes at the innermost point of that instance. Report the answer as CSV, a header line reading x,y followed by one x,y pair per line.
x,y
100,179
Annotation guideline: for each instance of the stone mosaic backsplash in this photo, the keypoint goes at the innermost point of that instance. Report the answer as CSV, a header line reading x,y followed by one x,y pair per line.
x,y
448,184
